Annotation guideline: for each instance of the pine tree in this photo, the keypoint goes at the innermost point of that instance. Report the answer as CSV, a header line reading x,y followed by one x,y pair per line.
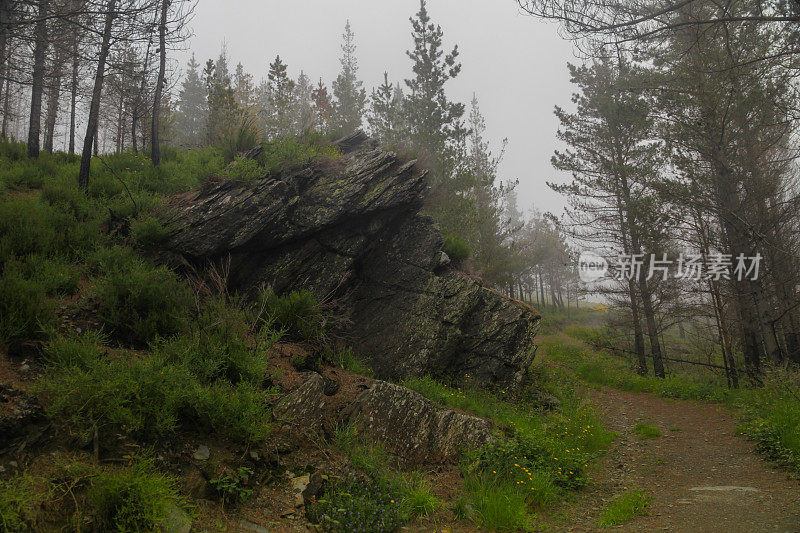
x,y
434,120
385,116
244,91
303,104
223,109
323,107
349,95
280,91
192,116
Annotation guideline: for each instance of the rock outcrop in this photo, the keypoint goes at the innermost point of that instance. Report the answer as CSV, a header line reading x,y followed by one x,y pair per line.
x,y
350,229
410,426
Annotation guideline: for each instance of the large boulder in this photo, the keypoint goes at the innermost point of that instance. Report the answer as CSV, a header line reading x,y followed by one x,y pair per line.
x,y
411,427
350,230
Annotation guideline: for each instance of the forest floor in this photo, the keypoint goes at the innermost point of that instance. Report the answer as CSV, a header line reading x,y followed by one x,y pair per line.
x,y
701,473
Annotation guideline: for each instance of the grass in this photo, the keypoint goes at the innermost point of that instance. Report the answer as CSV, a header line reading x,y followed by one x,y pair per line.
x,y
537,458
624,508
344,357
646,431
410,491
498,507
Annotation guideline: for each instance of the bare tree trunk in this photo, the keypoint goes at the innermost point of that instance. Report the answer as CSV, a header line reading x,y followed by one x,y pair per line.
x,y
162,64
5,16
94,109
73,100
37,85
6,111
52,102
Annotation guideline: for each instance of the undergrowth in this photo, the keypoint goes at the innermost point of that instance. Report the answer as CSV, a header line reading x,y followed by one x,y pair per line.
x,y
536,458
380,500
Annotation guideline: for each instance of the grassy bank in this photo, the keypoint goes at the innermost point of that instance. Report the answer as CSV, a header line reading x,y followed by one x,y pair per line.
x,y
537,458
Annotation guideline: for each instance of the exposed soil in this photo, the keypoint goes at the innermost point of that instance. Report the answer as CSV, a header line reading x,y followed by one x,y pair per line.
x,y
703,476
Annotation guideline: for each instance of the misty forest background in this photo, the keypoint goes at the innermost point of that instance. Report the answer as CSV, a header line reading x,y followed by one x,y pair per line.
x,y
681,136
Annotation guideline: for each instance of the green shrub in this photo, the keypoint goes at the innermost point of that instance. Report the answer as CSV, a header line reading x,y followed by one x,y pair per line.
x,y
72,200
56,275
625,507
18,498
217,345
239,138
149,397
133,499
13,151
244,169
138,301
417,496
148,232
296,313
456,248
239,411
25,311
76,350
233,488
352,504
29,226
144,397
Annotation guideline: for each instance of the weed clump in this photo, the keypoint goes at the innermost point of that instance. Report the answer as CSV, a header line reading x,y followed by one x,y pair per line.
x,y
646,431
297,314
233,488
625,507
354,504
132,499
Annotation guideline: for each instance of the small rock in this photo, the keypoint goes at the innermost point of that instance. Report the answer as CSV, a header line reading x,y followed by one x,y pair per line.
x,y
299,484
202,453
315,486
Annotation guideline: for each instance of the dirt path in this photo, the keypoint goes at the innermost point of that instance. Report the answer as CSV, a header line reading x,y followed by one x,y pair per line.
x,y
703,476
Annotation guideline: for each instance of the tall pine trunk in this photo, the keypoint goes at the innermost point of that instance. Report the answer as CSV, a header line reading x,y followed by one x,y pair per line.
x,y
94,108
37,81
5,19
162,64
54,92
73,97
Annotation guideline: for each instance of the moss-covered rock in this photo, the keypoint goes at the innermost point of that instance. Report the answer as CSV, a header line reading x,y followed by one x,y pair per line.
x,y
352,231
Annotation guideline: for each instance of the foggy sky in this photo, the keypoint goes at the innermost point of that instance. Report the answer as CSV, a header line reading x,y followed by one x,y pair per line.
x,y
514,63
